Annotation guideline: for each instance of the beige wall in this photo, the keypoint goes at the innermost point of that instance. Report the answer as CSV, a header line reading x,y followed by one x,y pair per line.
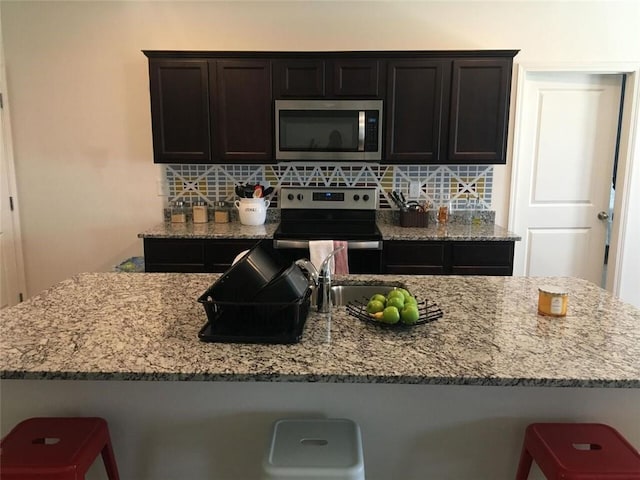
x,y
78,88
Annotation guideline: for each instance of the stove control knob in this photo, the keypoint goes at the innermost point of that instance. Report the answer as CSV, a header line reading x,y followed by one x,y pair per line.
x,y
300,196
365,198
290,196
356,197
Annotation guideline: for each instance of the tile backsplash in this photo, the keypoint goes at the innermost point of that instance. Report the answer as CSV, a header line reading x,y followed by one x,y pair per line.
x,y
216,182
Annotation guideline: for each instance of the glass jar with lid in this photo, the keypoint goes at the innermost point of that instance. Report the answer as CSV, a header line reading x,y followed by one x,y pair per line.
x,y
221,212
178,212
200,212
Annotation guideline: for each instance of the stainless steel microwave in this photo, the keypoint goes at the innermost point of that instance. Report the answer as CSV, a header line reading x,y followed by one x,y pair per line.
x,y
328,130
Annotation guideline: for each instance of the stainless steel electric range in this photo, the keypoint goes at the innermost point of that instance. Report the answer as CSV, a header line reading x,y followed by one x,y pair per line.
x,y
331,213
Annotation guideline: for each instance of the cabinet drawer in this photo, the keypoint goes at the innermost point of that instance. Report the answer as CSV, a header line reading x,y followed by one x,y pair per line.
x,y
414,257
490,254
168,251
219,254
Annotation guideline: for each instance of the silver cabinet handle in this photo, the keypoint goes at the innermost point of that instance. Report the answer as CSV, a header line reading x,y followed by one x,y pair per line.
x,y
603,215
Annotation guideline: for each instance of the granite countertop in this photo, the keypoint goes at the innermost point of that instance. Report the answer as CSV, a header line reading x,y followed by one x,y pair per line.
x,y
144,326
483,232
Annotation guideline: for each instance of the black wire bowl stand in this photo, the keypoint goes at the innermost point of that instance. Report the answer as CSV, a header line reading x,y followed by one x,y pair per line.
x,y
429,312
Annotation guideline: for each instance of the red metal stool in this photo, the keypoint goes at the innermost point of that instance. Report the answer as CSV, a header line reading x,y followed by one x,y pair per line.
x,y
56,448
578,451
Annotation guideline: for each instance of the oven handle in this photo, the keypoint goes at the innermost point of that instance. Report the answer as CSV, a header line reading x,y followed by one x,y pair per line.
x,y
351,244
361,131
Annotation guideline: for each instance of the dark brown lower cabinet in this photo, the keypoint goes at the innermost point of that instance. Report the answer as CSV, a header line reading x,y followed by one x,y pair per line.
x,y
192,255
398,256
448,258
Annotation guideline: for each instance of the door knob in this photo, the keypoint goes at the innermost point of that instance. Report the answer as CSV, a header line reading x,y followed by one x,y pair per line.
x,y
603,215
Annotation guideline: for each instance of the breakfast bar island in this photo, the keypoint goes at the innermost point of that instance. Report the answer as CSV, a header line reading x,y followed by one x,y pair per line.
x,y
448,399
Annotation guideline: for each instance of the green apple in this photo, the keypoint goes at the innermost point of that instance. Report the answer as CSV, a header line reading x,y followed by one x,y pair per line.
x,y
410,301
379,297
397,302
409,314
391,315
375,306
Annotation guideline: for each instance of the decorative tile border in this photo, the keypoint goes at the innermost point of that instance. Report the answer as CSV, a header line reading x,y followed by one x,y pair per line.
x,y
216,182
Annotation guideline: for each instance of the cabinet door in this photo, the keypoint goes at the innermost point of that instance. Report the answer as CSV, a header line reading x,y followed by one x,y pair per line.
x,y
356,78
299,78
479,111
244,122
420,258
417,93
482,258
219,254
179,92
173,255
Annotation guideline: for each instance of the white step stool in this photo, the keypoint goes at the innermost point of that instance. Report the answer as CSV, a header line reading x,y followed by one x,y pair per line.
x,y
314,449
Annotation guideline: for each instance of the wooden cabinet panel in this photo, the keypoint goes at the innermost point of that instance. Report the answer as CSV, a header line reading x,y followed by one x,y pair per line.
x,y
244,121
168,255
219,254
299,78
482,258
356,78
192,255
180,111
413,257
415,111
444,258
479,111
328,78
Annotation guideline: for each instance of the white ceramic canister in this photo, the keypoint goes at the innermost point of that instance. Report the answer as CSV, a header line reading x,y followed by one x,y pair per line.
x,y
253,211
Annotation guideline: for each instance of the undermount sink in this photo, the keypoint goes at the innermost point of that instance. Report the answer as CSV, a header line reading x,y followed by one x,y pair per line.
x,y
343,294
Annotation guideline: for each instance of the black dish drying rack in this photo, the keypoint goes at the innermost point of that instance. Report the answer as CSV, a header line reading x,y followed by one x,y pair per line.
x,y
429,312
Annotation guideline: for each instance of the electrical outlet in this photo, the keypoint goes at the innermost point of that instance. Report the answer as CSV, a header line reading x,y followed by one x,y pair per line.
x,y
163,190
414,189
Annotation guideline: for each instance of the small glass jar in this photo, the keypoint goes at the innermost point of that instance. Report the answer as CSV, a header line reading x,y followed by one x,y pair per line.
x,y
221,212
552,301
178,212
200,212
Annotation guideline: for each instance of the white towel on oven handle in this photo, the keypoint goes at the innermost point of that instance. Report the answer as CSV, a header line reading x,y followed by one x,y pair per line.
x,y
318,251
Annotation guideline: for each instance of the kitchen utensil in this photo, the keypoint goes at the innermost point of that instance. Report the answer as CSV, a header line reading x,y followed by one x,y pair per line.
x,y
288,285
267,191
252,272
398,201
257,191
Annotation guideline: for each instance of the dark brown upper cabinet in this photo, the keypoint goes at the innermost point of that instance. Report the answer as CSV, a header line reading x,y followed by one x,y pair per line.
x,y
180,114
416,110
449,111
328,78
480,90
440,107
242,105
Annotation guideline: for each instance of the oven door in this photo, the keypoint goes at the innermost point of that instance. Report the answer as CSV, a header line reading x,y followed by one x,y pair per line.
x,y
365,256
328,130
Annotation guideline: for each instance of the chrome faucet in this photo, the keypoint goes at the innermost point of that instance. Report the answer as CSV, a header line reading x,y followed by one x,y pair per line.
x,y
323,299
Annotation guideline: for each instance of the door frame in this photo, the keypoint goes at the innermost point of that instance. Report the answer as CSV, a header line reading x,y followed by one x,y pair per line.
x,y
628,131
18,283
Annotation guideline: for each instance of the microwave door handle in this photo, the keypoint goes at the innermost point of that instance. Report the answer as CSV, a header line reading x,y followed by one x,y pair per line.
x,y
361,122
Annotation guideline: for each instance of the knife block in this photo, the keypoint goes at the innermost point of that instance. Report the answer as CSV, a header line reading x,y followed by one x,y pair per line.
x,y
414,218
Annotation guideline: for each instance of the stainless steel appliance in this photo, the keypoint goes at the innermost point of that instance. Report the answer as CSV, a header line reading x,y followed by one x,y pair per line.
x,y
328,130
322,213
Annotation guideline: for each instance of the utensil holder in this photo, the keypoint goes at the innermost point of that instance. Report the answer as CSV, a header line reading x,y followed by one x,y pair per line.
x,y
414,218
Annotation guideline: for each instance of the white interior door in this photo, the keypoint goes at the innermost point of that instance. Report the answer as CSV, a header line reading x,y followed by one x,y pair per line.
x,y
563,164
12,280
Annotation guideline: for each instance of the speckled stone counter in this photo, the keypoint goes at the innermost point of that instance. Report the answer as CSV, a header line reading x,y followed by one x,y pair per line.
x,y
209,230
450,232
390,231
144,326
